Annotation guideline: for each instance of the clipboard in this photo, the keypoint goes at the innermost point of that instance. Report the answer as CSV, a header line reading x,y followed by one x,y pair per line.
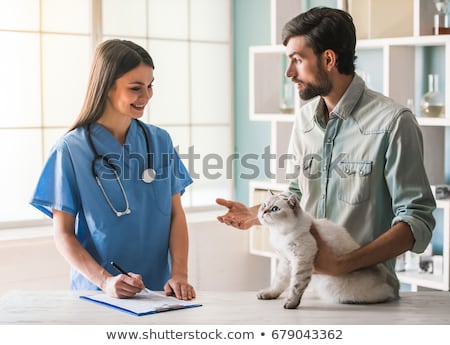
x,y
143,303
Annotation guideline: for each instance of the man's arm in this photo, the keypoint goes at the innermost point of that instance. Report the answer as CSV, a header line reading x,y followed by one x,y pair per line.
x,y
392,243
406,178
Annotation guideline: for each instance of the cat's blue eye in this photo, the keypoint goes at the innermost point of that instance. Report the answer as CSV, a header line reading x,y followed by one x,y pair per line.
x,y
275,209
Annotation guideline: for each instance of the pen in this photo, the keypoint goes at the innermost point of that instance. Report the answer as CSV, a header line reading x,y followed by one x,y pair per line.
x,y
121,270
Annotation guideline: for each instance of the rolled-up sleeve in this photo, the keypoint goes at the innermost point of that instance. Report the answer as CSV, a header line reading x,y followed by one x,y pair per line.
x,y
412,199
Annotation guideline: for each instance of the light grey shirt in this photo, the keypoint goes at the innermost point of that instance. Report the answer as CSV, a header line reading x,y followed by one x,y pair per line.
x,y
363,169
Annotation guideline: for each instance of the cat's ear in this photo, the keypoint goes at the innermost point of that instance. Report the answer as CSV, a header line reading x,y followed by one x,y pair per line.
x,y
293,201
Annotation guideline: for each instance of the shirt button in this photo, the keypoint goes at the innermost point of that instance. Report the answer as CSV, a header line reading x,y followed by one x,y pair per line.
x,y
329,140
323,195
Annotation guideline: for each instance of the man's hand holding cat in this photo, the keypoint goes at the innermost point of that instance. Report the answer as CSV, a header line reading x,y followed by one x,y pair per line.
x,y
326,262
238,215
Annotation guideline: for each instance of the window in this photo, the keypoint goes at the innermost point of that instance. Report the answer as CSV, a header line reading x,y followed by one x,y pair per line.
x,y
48,47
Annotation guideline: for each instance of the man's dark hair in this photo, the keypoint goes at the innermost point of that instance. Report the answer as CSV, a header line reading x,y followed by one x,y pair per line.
x,y
326,28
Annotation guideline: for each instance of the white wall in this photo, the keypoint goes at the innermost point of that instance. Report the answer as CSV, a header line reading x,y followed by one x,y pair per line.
x,y
32,264
219,259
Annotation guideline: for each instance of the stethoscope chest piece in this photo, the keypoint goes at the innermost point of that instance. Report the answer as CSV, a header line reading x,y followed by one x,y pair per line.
x,y
148,175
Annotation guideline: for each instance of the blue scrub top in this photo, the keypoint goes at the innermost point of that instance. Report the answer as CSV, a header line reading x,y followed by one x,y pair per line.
x,y
138,242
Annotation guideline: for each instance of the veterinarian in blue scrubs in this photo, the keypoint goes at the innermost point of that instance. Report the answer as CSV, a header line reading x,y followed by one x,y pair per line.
x,y
113,185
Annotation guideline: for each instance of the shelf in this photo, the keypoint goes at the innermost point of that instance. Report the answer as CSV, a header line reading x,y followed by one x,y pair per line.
x,y
436,122
258,190
265,99
443,203
404,18
372,20
281,11
416,41
276,117
398,68
259,243
427,280
385,63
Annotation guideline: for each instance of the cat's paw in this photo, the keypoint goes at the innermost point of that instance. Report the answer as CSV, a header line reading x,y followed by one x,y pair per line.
x,y
291,303
267,294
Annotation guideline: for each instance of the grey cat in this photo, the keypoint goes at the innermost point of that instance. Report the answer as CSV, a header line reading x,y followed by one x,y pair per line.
x,y
296,248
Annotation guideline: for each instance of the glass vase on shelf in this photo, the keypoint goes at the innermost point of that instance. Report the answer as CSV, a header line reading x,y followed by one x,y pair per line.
x,y
441,18
432,103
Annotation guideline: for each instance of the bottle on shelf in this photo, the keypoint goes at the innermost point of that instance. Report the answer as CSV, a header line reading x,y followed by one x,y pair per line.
x,y
432,103
441,18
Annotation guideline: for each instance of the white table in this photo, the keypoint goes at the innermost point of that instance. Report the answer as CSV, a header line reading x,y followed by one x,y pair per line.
x,y
225,308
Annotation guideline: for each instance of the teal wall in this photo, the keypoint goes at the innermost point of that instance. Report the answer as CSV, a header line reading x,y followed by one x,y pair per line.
x,y
251,27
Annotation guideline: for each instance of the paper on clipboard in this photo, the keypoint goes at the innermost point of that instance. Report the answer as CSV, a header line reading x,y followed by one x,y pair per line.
x,y
143,303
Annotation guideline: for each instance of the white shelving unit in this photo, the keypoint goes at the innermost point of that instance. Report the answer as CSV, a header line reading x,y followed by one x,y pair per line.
x,y
259,235
397,62
434,281
259,243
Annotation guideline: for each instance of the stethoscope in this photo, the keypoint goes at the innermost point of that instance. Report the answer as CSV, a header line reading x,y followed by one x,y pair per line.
x,y
148,175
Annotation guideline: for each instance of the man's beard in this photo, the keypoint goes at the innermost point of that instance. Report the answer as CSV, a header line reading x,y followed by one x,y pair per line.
x,y
321,88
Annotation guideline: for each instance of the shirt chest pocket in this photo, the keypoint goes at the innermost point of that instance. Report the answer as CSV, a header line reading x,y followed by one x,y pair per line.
x,y
354,187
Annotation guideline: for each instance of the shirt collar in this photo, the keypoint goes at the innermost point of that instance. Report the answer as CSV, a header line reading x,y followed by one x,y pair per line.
x,y
345,105
349,99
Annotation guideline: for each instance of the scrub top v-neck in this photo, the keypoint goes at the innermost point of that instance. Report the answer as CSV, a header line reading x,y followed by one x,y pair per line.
x,y
138,241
